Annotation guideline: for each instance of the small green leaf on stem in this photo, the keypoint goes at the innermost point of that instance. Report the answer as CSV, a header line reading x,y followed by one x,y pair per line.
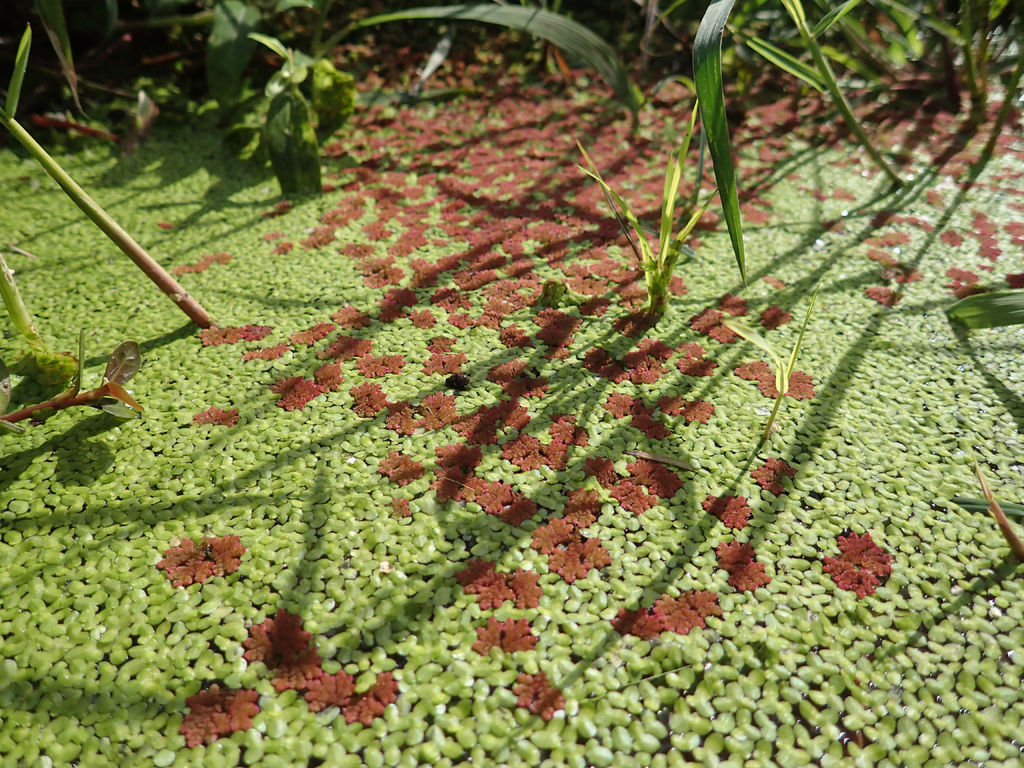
x,y
124,363
18,76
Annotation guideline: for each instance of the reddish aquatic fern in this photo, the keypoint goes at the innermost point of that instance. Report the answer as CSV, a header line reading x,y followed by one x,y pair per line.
x,y
537,694
194,562
861,565
215,713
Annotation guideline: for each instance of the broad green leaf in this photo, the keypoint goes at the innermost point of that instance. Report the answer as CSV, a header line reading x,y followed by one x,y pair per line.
x,y
786,62
229,48
989,310
18,76
124,362
707,68
287,5
272,43
291,142
981,505
52,14
334,96
568,35
5,387
112,16
833,16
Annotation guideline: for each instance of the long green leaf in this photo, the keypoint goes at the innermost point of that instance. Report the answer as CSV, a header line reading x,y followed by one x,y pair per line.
x,y
229,48
800,338
989,310
18,76
833,16
981,505
707,68
785,61
570,36
52,14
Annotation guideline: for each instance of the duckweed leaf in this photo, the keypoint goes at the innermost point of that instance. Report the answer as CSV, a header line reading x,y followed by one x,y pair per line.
x,y
18,76
989,310
124,362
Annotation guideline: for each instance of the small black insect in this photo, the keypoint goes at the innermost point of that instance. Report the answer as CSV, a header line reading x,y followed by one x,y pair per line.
x,y
457,381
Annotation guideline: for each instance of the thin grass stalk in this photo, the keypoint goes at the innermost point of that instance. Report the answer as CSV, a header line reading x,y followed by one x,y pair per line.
x,y
110,228
1016,545
821,62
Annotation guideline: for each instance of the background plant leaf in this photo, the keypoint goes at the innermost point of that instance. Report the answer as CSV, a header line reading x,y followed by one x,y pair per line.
x,y
572,37
785,61
51,12
124,362
18,75
989,310
291,142
334,96
707,69
5,387
833,16
229,48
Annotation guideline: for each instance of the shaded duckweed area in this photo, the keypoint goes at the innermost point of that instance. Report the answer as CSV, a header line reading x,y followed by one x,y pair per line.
x,y
406,507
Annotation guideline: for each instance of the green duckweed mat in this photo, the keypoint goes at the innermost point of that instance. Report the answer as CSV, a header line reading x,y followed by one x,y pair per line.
x,y
403,562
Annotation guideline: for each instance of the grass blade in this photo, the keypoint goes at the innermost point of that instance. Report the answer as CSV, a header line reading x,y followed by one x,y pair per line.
x,y
833,16
707,68
570,36
800,338
785,61
52,14
18,76
989,310
981,505
759,341
620,210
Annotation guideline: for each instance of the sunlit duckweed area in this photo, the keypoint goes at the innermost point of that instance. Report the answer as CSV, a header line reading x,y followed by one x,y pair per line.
x,y
405,507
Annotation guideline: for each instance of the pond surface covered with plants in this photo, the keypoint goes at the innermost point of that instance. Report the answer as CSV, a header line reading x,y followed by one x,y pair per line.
x,y
435,490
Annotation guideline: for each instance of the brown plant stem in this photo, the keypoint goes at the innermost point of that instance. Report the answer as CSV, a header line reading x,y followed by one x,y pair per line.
x,y
71,398
111,228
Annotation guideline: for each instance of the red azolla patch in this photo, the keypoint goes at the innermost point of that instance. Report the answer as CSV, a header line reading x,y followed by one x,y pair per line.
x,y
328,377
555,533
601,469
775,316
600,362
269,353
527,452
400,507
213,337
734,305
709,323
423,318
659,479
395,302
514,336
500,500
437,411
509,636
731,510
312,335
285,246
769,474
216,416
689,610
455,464
631,496
346,348
962,282
295,391
801,386
537,694
861,565
492,589
371,366
565,431
192,562
330,691
284,647
444,363
204,263
1015,280
884,295
691,410
215,713
364,707
399,468
745,573
369,399
481,427
578,557
582,507
351,317
556,328
640,623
